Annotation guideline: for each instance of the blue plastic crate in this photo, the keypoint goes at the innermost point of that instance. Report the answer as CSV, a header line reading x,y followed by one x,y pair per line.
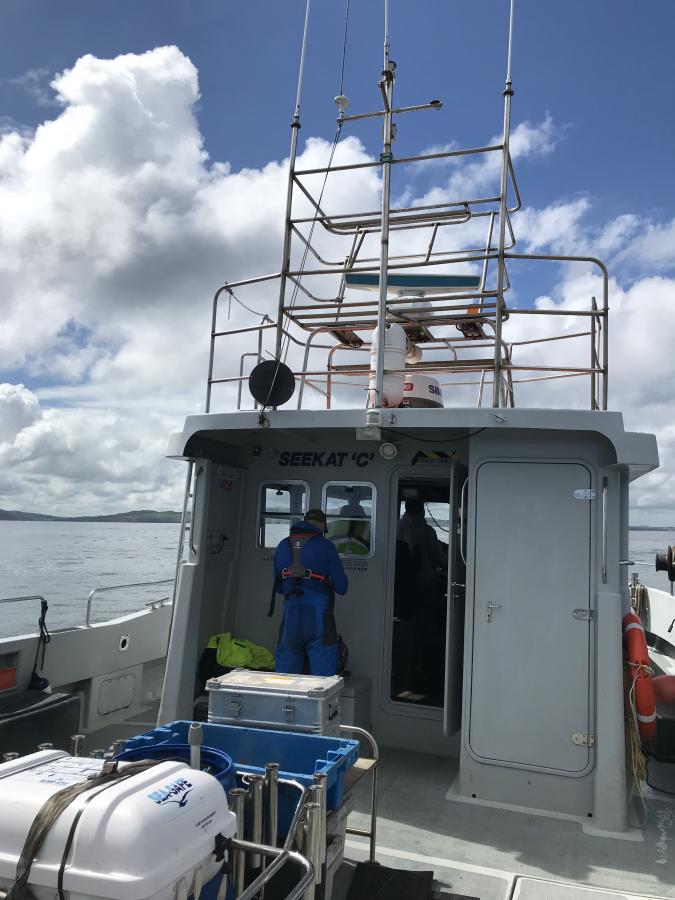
x,y
299,756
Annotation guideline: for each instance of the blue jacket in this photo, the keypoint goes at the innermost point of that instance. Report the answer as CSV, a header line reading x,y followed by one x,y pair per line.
x,y
318,554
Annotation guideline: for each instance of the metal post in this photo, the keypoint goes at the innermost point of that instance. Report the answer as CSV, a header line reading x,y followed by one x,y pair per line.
x,y
118,746
195,739
386,159
256,783
594,359
212,350
10,756
237,799
503,212
181,541
272,798
295,128
77,744
311,829
319,792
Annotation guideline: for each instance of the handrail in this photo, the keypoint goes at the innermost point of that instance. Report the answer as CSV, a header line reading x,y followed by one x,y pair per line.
x,y
117,587
372,834
22,599
281,856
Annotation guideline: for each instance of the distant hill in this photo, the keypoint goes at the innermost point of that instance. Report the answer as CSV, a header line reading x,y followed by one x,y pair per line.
x,y
136,515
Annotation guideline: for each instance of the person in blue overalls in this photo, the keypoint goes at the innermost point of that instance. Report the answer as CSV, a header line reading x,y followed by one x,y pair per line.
x,y
308,572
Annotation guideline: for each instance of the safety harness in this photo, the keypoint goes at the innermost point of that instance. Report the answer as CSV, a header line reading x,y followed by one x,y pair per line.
x,y
299,573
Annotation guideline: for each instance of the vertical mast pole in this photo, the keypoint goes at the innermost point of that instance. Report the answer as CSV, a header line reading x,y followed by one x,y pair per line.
x,y
508,93
295,128
387,88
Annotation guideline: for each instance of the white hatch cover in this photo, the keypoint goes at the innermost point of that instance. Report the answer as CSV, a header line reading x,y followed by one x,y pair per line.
x,y
537,889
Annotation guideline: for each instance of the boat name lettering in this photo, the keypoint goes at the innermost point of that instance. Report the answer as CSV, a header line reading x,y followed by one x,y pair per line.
x,y
323,459
434,457
174,792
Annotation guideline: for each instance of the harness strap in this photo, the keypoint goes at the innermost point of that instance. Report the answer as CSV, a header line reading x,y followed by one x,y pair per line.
x,y
298,572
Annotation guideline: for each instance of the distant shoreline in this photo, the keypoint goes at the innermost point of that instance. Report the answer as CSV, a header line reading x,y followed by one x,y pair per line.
x,y
651,527
141,516
169,516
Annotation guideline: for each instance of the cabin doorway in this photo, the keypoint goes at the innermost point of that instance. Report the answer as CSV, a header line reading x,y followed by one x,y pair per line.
x,y
426,565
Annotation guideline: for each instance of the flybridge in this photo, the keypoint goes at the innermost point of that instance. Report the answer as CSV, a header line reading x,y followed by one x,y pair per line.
x,y
450,333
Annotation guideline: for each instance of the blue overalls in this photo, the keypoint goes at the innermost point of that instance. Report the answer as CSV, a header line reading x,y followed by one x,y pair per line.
x,y
308,628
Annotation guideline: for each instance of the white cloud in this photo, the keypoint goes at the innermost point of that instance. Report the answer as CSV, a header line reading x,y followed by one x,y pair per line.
x,y
115,228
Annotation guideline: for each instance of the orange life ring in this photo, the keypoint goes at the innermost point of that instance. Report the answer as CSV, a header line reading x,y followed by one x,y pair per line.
x,y
640,671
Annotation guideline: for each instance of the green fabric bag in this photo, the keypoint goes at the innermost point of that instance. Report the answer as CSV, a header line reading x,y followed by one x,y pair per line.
x,y
236,653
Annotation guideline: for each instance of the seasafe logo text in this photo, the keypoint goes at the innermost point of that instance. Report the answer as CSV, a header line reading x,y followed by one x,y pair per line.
x,y
175,792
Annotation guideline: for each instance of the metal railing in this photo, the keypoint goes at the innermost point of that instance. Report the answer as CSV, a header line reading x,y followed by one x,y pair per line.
x,y
22,599
320,274
117,587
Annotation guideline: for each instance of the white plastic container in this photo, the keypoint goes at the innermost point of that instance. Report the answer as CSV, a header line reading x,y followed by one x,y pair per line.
x,y
421,391
145,838
394,358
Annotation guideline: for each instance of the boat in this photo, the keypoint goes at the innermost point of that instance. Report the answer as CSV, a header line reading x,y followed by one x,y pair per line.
x,y
499,731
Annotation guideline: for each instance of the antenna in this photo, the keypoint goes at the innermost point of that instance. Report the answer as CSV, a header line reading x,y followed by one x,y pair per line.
x,y
503,212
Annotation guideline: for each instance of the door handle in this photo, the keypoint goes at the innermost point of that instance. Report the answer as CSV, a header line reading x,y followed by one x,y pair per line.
x,y
488,610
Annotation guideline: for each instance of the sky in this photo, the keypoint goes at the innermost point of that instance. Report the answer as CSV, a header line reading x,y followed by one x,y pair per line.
x,y
143,153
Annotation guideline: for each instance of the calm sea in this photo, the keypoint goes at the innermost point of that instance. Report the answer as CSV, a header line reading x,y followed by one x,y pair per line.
x,y
64,561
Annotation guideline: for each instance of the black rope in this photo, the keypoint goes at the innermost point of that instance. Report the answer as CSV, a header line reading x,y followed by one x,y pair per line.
x,y
344,49
286,343
308,241
43,639
236,299
444,440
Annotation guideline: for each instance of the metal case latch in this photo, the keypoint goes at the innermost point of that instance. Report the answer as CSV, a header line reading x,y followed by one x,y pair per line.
x,y
289,710
234,707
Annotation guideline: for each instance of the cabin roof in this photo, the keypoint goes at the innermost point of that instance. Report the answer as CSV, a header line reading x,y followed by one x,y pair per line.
x,y
636,450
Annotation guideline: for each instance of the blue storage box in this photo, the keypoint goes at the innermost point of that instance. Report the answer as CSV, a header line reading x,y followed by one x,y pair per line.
x,y
299,756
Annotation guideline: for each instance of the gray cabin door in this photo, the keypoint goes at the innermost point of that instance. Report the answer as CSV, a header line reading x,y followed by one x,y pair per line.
x,y
530,670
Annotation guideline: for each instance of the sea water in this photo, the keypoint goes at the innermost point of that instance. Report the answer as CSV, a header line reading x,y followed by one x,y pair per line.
x,y
64,561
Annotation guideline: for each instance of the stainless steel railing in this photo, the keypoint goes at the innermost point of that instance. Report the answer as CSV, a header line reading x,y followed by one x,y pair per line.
x,y
117,587
22,599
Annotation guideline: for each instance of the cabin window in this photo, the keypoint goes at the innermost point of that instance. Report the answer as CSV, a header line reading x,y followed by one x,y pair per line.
x,y
350,513
281,504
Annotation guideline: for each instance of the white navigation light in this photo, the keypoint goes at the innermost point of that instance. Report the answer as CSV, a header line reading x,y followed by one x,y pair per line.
x,y
342,102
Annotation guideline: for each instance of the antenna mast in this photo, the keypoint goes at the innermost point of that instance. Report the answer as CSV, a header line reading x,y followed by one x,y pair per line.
x,y
386,85
503,211
295,128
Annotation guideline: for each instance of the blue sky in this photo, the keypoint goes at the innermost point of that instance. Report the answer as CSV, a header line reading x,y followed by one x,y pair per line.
x,y
116,230
605,69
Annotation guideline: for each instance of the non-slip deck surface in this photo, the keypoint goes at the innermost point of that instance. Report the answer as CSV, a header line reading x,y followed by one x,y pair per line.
x,y
479,851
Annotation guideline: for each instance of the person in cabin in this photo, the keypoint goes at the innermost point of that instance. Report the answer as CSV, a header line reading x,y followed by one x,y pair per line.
x,y
428,560
350,532
427,551
308,572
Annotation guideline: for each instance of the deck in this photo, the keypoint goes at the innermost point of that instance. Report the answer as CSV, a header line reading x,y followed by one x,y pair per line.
x,y
495,854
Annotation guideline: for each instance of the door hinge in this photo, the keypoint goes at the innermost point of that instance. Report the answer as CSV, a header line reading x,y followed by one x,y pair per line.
x,y
584,494
586,615
583,740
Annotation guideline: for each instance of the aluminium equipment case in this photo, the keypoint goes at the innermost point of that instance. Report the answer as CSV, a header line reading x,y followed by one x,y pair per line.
x,y
305,703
